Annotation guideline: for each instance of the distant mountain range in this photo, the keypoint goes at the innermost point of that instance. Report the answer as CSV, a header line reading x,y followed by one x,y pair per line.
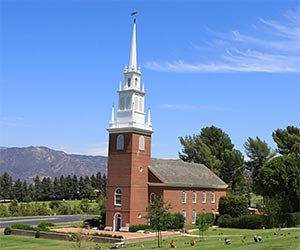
x,y
26,163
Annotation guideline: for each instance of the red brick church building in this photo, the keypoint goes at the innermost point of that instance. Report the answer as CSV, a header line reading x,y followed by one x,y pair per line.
x,y
134,178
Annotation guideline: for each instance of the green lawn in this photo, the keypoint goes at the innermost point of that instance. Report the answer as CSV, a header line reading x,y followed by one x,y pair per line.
x,y
287,239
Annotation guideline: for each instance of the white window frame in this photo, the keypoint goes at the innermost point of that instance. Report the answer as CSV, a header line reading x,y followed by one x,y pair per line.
x,y
203,197
194,216
183,197
213,197
118,197
194,197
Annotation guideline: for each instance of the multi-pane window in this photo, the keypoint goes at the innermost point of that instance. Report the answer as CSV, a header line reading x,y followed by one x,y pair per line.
x,y
120,142
118,197
194,197
203,197
183,197
213,197
194,216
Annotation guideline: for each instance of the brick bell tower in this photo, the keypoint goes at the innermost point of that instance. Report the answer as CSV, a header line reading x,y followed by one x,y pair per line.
x,y
129,152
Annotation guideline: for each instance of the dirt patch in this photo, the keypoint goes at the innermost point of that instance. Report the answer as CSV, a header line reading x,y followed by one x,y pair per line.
x,y
126,235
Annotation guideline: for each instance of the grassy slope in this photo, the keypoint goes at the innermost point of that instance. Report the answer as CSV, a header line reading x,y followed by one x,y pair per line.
x,y
288,239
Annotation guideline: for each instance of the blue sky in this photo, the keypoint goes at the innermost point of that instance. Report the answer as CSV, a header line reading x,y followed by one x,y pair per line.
x,y
231,64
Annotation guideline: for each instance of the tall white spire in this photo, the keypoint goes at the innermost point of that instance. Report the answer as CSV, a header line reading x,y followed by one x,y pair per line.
x,y
131,111
132,60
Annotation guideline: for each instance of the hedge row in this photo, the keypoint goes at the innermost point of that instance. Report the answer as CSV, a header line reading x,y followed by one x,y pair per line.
x,y
246,221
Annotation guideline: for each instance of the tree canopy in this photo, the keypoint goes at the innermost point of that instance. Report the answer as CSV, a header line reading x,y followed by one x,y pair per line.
x,y
213,148
287,140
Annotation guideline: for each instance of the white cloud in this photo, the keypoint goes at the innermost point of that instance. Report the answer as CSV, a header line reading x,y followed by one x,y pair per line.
x,y
184,107
274,47
13,121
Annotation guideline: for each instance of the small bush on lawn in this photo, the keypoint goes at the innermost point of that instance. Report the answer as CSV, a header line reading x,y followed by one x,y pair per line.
x,y
176,221
37,234
293,219
7,231
225,221
23,227
135,228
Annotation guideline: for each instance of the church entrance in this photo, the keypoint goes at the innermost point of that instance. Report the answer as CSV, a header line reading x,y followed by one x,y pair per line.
x,y
117,222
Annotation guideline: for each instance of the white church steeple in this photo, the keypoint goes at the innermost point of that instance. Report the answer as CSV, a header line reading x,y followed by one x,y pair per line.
x,y
131,113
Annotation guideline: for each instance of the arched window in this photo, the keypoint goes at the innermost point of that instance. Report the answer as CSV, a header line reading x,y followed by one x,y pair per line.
x,y
118,197
128,82
194,216
142,143
120,142
183,198
203,211
152,197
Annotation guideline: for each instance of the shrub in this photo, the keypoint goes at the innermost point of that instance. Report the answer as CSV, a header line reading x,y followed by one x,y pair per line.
x,y
292,219
45,225
233,205
64,208
84,205
177,221
135,228
4,211
253,221
94,222
37,234
7,231
225,220
22,226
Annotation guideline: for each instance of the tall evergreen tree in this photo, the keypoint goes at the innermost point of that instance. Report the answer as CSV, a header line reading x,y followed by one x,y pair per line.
x,y
213,148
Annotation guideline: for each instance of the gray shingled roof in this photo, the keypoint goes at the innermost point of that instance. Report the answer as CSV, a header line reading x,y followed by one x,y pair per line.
x,y
178,174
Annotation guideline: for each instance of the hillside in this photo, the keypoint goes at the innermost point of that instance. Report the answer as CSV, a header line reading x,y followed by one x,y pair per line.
x,y
26,163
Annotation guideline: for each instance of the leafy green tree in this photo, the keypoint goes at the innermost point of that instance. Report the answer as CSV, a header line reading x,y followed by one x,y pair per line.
x,y
287,140
271,207
158,215
232,171
195,150
233,205
213,148
258,152
280,176
204,221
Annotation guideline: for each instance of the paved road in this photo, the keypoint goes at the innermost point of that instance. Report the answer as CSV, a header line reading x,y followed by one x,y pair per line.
x,y
35,220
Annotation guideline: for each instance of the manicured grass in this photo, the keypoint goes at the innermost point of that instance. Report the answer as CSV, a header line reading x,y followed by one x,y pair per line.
x,y
286,239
